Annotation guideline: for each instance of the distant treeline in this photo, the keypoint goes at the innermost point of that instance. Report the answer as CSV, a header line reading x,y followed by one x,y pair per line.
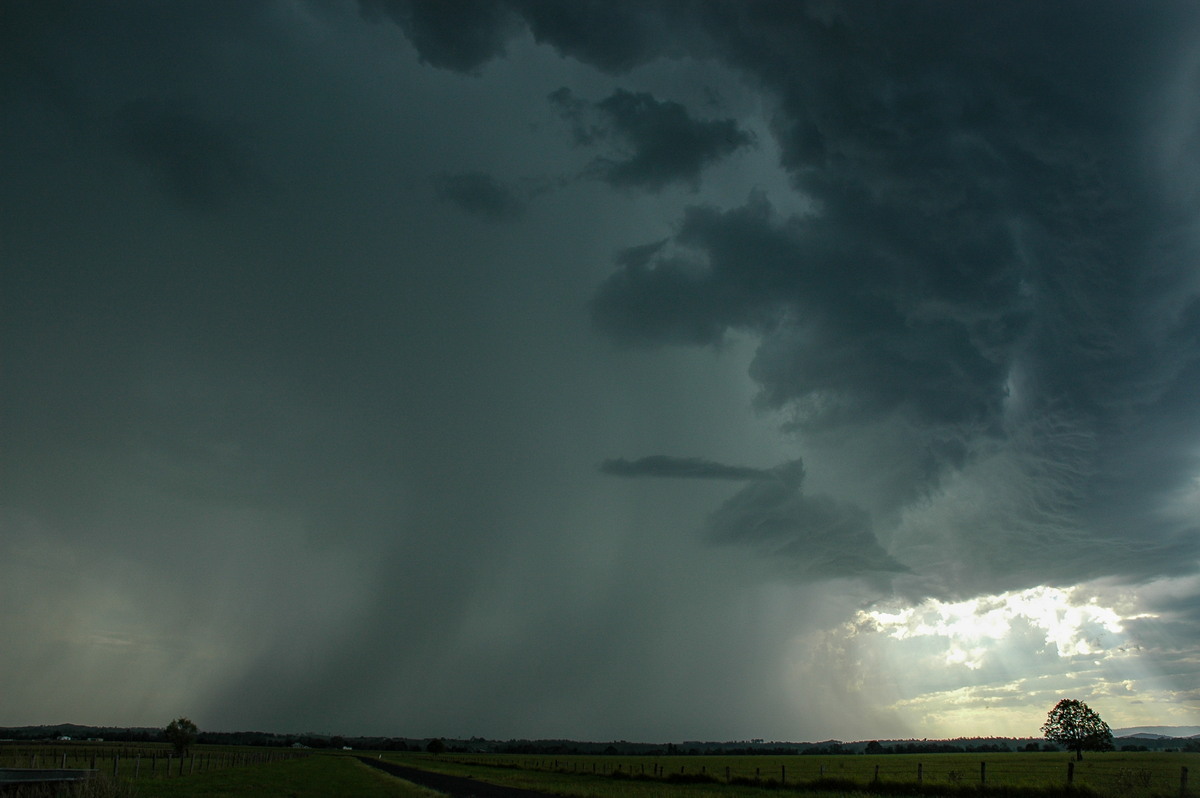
x,y
478,745
111,734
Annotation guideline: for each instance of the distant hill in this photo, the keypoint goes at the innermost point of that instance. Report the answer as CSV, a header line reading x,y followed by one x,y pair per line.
x,y
1154,732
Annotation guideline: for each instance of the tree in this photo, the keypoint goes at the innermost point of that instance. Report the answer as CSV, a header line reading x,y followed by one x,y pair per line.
x,y
436,746
1077,726
181,733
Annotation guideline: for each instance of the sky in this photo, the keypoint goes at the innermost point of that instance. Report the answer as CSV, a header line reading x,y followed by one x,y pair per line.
x,y
614,369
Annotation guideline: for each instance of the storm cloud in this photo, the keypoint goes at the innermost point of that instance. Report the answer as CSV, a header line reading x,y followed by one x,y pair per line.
x,y
817,536
480,194
316,318
660,465
660,143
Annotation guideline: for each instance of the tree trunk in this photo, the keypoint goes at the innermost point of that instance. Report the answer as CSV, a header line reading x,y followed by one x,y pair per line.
x,y
1078,754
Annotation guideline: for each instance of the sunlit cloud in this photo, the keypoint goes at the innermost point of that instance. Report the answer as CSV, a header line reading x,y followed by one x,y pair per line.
x,y
966,667
1074,628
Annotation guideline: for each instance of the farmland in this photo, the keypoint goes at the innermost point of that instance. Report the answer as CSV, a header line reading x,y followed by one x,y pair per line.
x,y
148,771
1120,775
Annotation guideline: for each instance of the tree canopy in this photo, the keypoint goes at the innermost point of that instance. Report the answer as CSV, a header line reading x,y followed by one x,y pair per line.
x,y
1077,726
181,733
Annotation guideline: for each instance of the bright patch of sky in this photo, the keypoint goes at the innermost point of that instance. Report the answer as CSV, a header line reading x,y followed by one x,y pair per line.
x,y
971,628
970,664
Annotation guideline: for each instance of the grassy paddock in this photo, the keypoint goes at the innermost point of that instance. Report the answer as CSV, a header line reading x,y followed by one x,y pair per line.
x,y
128,759
220,771
1119,775
314,776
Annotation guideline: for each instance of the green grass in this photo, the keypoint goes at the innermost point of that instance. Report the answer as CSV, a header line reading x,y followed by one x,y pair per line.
x,y
314,776
244,772
1119,775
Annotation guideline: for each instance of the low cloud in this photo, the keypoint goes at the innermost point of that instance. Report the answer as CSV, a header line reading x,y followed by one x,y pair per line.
x,y
817,536
661,465
480,194
654,143
843,338
461,36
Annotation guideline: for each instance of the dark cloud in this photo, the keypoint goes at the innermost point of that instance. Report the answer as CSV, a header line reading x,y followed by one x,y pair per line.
x,y
462,35
574,110
661,465
614,36
961,270
977,258
656,299
986,245
480,194
657,142
817,536
843,336
199,162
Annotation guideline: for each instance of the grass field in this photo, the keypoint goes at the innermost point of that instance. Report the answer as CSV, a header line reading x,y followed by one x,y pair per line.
x,y
245,772
1119,775
316,776
248,775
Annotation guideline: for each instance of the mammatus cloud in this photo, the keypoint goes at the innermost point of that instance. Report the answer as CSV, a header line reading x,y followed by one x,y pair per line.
x,y
655,143
481,195
661,465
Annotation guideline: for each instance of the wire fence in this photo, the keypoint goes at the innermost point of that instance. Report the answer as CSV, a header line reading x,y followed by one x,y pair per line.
x,y
132,761
1110,774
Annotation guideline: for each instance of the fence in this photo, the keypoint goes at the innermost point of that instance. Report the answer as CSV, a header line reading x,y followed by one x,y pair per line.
x,y
1114,775
130,761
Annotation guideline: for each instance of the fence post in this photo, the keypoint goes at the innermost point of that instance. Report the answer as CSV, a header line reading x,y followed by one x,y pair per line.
x,y
727,773
64,760
919,773
1183,781
116,765
876,778
983,772
137,766
1070,773
783,774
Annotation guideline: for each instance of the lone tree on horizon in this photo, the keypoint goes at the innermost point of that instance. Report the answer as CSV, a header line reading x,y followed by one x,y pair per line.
x,y
1077,726
181,733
